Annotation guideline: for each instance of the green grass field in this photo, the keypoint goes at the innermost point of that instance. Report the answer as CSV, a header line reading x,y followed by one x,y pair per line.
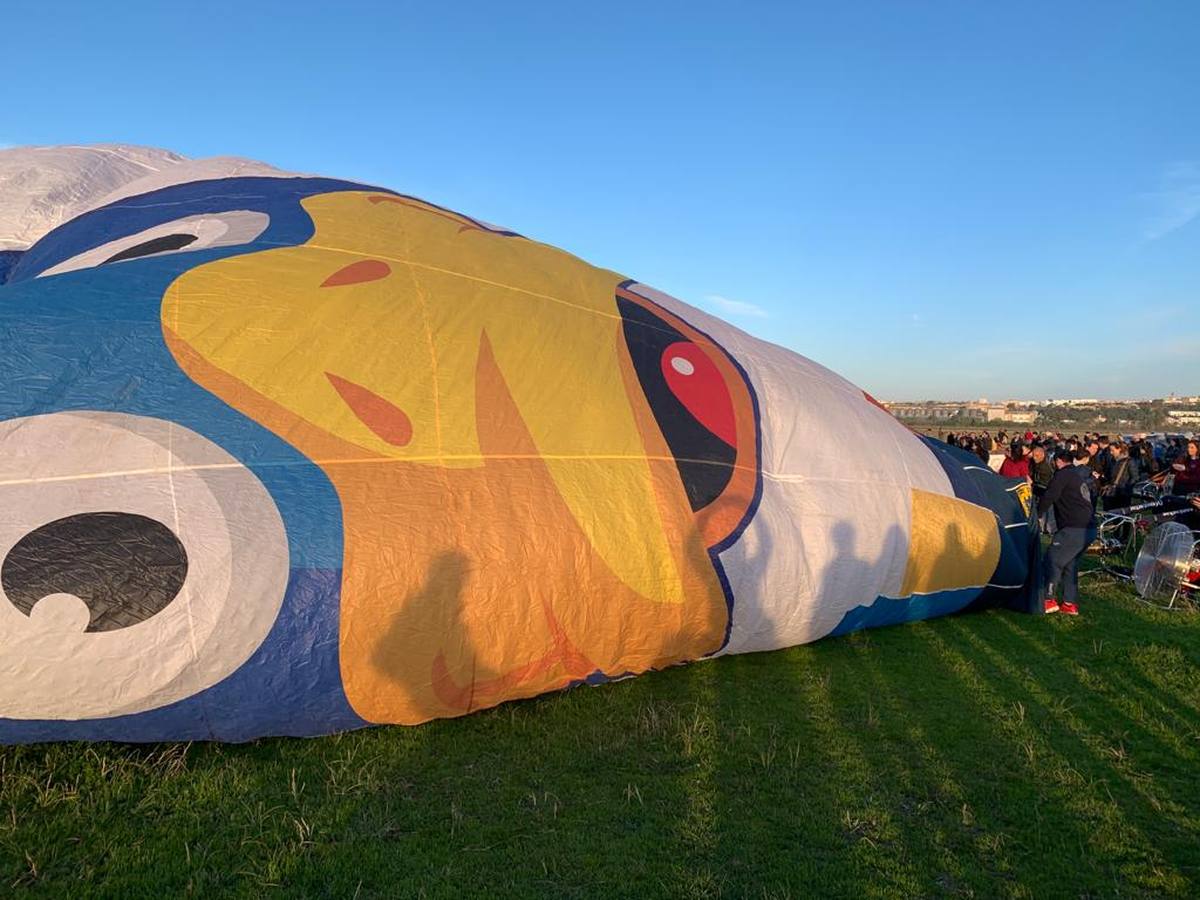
x,y
987,755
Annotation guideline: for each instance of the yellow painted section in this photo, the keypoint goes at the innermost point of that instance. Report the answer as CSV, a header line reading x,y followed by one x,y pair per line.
x,y
413,339
954,544
534,529
1024,493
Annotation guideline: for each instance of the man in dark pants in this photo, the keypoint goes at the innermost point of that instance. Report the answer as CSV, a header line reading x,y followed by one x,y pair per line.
x,y
1072,497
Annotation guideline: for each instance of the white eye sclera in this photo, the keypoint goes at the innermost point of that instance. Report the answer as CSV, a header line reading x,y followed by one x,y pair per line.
x,y
226,229
140,563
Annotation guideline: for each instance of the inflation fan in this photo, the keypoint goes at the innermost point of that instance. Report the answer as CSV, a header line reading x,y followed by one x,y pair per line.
x,y
1167,569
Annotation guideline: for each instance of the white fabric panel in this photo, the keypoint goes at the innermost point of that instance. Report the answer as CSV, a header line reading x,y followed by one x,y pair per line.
x,y
43,187
832,529
814,551
193,170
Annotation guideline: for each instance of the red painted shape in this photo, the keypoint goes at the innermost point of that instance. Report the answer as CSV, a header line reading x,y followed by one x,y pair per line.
x,y
875,402
358,272
697,383
384,418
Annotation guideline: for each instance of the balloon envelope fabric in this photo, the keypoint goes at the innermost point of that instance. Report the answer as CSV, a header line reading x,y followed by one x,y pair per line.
x,y
287,455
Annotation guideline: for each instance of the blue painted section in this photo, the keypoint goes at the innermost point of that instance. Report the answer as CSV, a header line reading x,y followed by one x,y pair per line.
x,y
279,198
8,260
891,611
1014,582
1016,579
290,686
92,340
959,466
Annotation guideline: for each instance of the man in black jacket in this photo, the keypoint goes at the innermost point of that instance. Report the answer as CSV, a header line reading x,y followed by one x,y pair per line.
x,y
1072,497
1041,470
1119,478
1097,460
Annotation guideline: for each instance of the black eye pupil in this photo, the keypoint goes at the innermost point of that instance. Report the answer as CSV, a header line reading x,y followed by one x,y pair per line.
x,y
124,567
154,245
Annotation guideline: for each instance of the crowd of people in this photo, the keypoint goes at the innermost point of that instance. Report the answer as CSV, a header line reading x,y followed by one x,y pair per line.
x,y
1071,477
1116,464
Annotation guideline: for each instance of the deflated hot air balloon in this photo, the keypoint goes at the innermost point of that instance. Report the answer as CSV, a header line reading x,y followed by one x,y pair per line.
x,y
291,455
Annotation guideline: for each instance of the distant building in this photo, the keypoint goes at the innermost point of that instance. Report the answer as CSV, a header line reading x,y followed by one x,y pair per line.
x,y
974,412
1022,418
1183,416
937,412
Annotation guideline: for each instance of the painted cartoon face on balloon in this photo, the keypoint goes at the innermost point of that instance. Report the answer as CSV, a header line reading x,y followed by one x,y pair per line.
x,y
286,455
535,463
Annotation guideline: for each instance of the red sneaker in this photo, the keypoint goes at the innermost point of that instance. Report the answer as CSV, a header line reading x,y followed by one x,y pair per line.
x,y
1051,606
1068,609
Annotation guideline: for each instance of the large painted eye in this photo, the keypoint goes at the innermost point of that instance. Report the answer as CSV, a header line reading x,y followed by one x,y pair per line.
x,y
689,398
139,564
189,234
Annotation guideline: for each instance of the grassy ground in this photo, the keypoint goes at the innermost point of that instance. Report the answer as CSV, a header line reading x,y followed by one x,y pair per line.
x,y
983,755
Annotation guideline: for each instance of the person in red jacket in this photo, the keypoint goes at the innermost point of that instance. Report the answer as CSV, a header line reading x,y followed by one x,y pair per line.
x,y
1016,463
1187,470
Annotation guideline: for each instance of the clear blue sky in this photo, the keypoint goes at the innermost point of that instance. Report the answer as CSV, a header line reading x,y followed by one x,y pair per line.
x,y
920,195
